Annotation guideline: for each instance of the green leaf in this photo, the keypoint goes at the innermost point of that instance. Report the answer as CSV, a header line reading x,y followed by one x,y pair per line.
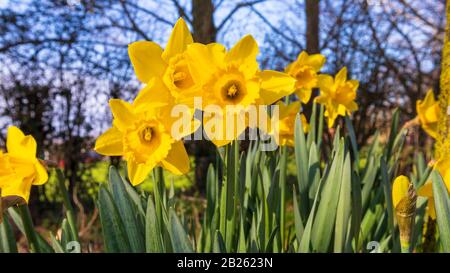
x,y
180,240
326,214
269,245
127,212
114,232
153,239
301,160
57,247
442,206
298,222
7,240
219,244
344,207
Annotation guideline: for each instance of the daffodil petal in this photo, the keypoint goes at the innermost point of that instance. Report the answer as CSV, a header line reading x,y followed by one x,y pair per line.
x,y
155,94
177,161
201,62
179,39
146,59
426,190
324,82
41,176
19,145
316,61
17,188
110,143
341,76
122,112
275,85
218,52
431,208
244,52
304,95
137,172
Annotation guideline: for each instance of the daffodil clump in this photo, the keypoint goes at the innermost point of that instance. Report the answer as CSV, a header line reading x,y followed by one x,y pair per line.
x,y
307,194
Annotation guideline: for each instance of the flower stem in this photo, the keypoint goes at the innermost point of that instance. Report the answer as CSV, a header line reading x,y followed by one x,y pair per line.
x,y
283,194
70,212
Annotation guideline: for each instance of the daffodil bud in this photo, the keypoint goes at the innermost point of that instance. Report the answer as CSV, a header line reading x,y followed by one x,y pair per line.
x,y
404,200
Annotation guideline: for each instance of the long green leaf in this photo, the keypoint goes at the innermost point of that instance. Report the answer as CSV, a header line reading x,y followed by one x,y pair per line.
x,y
442,206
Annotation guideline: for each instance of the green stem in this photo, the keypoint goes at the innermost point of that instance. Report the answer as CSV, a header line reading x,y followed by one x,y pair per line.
x,y
29,229
283,171
70,212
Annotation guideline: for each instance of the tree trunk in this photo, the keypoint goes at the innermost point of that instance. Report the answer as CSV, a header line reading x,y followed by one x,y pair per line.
x,y
312,39
204,31
312,26
203,21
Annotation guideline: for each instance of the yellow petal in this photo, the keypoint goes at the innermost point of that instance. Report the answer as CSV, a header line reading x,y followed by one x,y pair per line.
x,y
218,52
177,161
244,52
325,82
137,172
302,58
154,94
275,85
179,39
426,190
146,59
399,189
41,176
18,188
223,129
316,61
123,113
341,76
304,95
201,62
19,145
110,143
431,208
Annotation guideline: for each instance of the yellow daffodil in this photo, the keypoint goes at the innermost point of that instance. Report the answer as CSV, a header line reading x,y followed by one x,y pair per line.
x,y
150,60
305,70
429,113
443,166
142,134
286,123
338,95
232,78
19,168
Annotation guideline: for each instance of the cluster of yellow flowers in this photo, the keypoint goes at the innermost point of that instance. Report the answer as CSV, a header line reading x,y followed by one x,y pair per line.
x,y
142,130
19,168
428,114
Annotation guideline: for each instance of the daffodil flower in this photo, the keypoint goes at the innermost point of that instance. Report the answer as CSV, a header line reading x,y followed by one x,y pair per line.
x,y
429,113
19,168
286,123
338,95
150,60
443,166
142,134
305,70
232,78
